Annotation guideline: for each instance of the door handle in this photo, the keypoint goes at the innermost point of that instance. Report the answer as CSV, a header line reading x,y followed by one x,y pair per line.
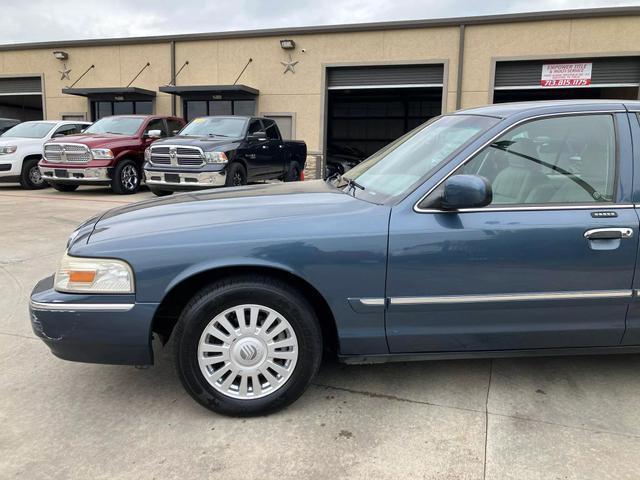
x,y
265,146
608,233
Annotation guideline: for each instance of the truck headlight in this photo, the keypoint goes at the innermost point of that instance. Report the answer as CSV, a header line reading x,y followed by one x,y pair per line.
x,y
215,157
6,150
147,155
93,275
102,154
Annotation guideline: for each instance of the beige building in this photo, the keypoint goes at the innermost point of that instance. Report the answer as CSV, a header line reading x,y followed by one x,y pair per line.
x,y
346,89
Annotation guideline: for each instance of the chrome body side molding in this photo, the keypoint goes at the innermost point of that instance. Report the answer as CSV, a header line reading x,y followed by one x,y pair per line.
x,y
81,307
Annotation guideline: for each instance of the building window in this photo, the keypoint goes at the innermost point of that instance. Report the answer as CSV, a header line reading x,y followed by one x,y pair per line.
x,y
203,108
80,116
101,109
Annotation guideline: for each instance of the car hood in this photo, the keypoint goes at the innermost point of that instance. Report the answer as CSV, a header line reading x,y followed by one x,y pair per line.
x,y
96,140
269,204
17,141
206,143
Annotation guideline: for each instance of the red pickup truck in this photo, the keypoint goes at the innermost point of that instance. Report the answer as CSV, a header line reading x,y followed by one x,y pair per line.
x,y
109,152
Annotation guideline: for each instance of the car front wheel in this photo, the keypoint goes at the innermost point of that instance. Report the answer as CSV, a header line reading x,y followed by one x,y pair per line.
x,y
248,346
126,178
30,177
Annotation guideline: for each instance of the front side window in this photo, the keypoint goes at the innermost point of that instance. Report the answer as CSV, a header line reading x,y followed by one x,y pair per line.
x,y
403,164
157,124
67,130
559,160
116,125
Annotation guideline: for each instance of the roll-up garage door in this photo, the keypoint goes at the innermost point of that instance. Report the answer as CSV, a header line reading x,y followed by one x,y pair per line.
x,y
605,72
21,98
20,86
387,76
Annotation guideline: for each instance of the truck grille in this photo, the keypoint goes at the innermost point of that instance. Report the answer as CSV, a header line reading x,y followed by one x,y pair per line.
x,y
66,153
177,156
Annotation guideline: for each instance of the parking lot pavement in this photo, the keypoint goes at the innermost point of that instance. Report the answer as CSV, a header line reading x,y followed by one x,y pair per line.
x,y
552,418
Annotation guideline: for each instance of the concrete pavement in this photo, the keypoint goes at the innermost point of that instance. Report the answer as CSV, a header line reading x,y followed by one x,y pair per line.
x,y
552,418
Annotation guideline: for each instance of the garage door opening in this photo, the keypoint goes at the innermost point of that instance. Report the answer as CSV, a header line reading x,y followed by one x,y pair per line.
x,y
21,98
370,107
615,78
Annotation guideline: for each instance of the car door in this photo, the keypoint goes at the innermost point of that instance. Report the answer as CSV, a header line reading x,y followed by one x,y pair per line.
x,y
274,163
255,151
548,264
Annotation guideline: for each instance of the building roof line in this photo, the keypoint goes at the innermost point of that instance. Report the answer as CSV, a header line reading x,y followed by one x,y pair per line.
x,y
343,28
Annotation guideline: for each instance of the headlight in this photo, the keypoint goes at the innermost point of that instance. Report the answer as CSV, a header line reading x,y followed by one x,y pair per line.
x,y
102,154
8,149
93,275
147,154
215,157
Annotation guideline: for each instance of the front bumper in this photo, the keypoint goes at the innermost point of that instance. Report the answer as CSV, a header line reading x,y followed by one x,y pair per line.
x,y
76,175
177,180
10,165
111,329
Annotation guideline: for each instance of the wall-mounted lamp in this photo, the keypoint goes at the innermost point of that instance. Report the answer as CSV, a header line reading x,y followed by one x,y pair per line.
x,y
288,44
60,55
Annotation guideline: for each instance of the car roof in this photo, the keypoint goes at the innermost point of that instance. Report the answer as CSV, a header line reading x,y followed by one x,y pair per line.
x,y
504,110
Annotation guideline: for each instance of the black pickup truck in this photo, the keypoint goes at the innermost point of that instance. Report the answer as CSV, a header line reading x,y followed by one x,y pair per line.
x,y
222,151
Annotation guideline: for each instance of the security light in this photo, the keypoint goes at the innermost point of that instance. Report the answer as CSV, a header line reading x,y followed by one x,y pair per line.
x,y
60,55
288,44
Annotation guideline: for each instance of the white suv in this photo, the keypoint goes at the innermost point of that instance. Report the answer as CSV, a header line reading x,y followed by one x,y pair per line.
x,y
21,149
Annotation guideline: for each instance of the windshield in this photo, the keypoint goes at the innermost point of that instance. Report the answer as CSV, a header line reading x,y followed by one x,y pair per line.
x,y
215,127
396,168
29,130
116,125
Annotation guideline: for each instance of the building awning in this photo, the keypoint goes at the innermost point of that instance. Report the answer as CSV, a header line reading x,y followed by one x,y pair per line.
x,y
112,93
212,92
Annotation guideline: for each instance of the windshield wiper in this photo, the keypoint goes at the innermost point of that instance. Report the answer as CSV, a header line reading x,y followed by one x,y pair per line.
x,y
217,135
352,184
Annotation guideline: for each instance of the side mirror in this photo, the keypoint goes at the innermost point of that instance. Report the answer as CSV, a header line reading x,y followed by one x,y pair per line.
x,y
57,135
466,191
153,134
257,136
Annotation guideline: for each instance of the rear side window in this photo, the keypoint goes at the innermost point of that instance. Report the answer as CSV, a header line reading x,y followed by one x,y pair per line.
x,y
559,160
271,129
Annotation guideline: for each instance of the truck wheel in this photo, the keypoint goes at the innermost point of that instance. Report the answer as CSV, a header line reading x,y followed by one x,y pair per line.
x,y
30,177
64,187
160,193
293,173
236,175
126,178
247,346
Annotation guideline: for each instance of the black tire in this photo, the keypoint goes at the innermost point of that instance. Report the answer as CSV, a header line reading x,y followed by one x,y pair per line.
x,y
126,178
223,295
30,177
293,173
236,175
64,187
160,193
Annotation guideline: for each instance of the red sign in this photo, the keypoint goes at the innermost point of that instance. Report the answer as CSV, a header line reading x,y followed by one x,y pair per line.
x,y
566,75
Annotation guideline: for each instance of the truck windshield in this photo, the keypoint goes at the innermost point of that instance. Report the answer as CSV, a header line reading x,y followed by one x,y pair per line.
x,y
215,127
116,125
401,165
30,130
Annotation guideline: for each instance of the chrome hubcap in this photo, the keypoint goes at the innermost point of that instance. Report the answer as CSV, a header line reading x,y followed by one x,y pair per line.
x,y
35,176
129,177
248,351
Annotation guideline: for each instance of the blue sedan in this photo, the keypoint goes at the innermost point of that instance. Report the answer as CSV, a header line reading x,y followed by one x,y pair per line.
x,y
496,231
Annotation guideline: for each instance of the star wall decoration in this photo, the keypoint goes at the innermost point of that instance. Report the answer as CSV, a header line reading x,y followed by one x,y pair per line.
x,y
289,66
64,73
